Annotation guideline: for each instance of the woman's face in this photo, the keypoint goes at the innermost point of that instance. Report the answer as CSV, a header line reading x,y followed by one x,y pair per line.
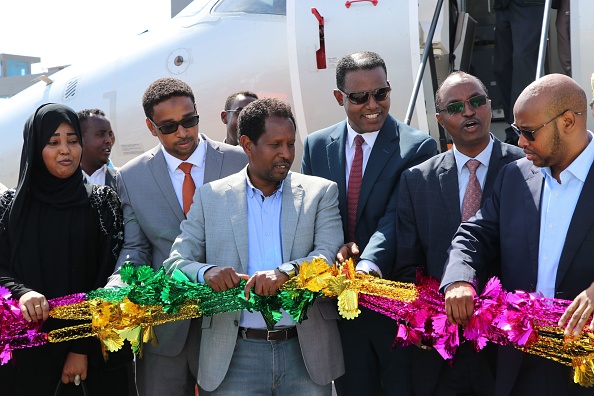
x,y
62,152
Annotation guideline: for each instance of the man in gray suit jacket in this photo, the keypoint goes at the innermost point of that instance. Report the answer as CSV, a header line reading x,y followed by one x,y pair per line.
x,y
150,188
430,201
539,221
389,147
259,224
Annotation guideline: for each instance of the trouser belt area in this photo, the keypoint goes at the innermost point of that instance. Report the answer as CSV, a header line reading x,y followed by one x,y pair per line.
x,y
268,335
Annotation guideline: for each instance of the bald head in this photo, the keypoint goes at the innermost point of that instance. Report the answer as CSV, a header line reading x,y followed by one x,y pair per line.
x,y
555,93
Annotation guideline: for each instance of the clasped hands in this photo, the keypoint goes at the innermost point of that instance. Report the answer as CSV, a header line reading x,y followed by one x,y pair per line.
x,y
264,283
459,302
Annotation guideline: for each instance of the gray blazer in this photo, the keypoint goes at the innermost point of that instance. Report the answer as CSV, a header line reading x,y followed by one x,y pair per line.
x,y
152,215
216,233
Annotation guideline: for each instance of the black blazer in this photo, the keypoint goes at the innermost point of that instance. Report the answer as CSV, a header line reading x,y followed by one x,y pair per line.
x,y
509,225
398,147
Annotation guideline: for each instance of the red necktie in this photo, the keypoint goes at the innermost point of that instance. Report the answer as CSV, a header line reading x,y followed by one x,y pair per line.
x,y
472,196
188,188
355,179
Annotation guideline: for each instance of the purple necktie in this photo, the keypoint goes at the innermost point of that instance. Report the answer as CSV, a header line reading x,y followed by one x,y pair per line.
x,y
355,179
473,194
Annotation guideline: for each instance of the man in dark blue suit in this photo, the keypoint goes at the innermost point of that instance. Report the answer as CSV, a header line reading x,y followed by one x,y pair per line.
x,y
430,208
540,223
366,154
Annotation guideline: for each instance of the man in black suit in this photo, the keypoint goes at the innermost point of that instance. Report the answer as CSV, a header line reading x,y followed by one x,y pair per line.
x,y
430,204
386,147
539,220
98,139
518,25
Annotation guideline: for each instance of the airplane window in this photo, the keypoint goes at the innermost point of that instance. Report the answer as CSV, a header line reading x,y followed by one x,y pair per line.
x,y
192,9
276,7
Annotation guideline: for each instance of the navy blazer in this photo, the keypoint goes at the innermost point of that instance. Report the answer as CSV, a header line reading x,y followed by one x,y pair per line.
x,y
397,147
429,210
509,225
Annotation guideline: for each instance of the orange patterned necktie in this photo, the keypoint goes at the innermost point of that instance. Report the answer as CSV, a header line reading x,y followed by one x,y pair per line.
x,y
188,188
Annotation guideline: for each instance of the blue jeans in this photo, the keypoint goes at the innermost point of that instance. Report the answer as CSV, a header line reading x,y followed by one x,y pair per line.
x,y
261,367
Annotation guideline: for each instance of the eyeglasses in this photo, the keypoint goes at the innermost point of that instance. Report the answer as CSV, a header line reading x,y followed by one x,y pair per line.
x,y
237,110
529,134
360,98
170,128
458,107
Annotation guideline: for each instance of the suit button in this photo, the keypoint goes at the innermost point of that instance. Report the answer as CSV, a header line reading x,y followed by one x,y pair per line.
x,y
236,323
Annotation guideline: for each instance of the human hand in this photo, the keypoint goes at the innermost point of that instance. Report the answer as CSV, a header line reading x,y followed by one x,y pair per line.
x,y
347,251
579,311
459,302
265,283
34,306
222,278
74,366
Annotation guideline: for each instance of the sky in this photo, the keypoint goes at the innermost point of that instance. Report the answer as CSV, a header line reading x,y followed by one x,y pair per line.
x,y
62,31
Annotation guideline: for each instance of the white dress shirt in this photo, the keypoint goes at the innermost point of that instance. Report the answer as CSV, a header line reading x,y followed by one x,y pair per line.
x,y
349,151
197,159
98,177
464,174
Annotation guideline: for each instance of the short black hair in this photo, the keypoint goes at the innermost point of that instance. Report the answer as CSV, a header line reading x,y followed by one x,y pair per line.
x,y
231,98
252,118
454,74
83,115
161,90
365,60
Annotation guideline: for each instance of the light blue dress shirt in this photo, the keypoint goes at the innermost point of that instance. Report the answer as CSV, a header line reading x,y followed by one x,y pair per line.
x,y
264,243
558,204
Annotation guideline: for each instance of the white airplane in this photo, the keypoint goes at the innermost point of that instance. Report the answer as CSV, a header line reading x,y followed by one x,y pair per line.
x,y
271,47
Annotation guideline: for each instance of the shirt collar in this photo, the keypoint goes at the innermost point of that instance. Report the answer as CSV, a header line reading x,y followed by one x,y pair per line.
x,y
369,137
484,156
251,190
197,158
580,167
101,170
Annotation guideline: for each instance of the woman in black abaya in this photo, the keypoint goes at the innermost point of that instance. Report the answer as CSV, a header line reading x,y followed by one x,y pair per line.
x,y
58,236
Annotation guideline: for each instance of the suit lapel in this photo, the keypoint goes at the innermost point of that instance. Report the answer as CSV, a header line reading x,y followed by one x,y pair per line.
x,y
236,203
384,148
336,163
581,222
495,164
213,163
531,199
448,182
158,167
291,207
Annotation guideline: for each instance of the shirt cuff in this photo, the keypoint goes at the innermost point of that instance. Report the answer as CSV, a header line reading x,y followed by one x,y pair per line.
x,y
368,266
201,272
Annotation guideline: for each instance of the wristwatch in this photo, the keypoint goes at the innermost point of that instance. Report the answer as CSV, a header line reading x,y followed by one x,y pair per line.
x,y
288,269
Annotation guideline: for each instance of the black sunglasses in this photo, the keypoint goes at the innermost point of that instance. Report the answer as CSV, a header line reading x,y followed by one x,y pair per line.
x,y
170,128
360,98
458,107
529,134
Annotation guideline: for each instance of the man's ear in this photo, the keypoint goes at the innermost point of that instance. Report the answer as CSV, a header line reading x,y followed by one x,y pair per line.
x,y
151,127
339,97
224,117
246,144
439,119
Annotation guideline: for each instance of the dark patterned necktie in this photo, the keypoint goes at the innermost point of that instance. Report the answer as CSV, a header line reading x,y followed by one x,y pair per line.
x,y
355,179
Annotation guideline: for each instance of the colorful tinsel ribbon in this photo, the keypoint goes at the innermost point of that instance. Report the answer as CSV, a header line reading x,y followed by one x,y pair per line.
x,y
526,321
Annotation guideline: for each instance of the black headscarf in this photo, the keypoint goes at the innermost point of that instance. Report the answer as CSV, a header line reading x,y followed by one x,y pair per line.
x,y
50,223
